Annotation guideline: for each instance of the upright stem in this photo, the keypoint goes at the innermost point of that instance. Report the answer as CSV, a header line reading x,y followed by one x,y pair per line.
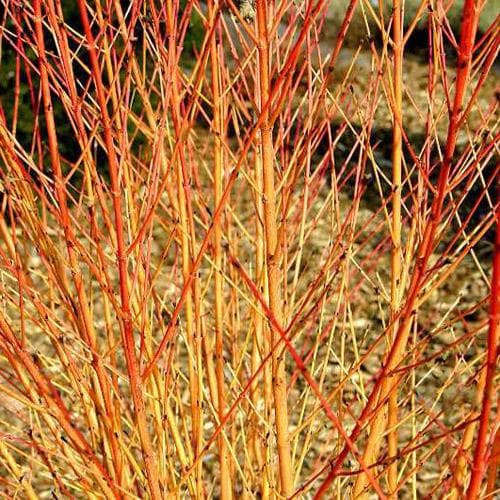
x,y
272,264
121,257
397,144
218,125
187,238
479,462
261,341
387,415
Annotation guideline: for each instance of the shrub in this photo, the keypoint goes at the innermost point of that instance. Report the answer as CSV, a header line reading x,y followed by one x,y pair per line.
x,y
242,257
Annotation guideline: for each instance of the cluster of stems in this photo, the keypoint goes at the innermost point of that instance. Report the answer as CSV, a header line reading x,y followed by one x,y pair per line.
x,y
248,249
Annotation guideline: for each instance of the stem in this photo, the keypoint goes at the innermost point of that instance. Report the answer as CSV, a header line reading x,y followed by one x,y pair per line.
x,y
218,125
480,461
271,264
126,325
387,415
187,237
261,343
397,152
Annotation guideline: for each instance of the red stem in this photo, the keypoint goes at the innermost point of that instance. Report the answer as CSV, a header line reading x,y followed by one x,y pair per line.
x,y
480,460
